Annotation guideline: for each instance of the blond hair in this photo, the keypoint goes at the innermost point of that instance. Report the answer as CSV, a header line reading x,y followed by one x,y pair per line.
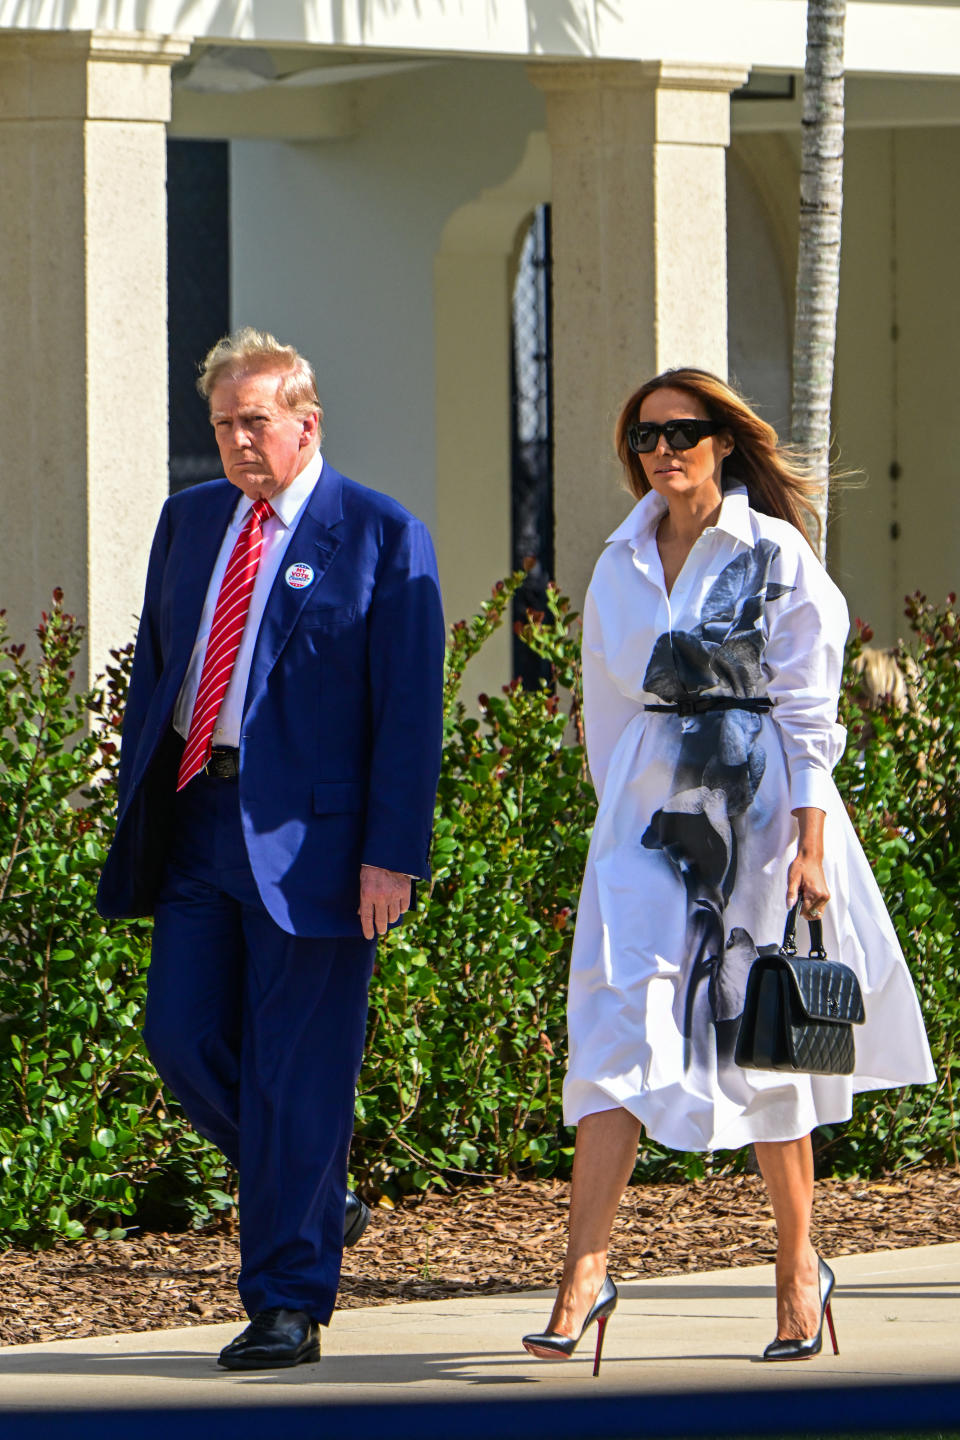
x,y
778,480
247,350
886,676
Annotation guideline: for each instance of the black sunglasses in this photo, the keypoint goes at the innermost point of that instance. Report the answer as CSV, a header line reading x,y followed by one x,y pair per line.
x,y
644,436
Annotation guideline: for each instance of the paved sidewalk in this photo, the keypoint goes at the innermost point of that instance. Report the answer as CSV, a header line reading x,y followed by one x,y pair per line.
x,y
897,1316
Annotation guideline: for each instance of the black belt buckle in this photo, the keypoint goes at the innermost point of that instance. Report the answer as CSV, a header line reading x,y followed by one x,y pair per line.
x,y
224,763
691,705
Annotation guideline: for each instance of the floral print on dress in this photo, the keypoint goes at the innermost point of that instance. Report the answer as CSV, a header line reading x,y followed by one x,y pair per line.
x,y
720,765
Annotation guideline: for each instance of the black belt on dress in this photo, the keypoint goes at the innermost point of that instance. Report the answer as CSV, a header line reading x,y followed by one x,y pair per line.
x,y
224,763
700,704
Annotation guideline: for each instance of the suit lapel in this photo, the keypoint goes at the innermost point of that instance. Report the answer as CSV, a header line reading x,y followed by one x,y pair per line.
x,y
314,543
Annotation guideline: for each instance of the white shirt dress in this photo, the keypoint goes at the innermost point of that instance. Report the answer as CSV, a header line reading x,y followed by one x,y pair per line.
x,y
687,869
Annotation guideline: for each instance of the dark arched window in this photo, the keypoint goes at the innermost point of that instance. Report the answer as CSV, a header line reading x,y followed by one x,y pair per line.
x,y
531,436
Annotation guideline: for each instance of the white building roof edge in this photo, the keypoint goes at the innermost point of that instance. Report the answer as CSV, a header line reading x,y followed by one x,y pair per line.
x,y
884,37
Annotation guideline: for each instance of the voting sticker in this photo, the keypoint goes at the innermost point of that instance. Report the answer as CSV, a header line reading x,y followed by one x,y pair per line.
x,y
299,576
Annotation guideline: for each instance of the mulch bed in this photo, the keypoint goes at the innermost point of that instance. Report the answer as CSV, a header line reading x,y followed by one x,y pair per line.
x,y
487,1242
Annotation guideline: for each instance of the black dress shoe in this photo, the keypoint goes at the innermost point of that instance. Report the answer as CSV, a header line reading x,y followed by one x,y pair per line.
x,y
356,1218
274,1339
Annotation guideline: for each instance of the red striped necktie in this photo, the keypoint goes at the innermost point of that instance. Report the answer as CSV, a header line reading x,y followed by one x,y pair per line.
x,y
226,632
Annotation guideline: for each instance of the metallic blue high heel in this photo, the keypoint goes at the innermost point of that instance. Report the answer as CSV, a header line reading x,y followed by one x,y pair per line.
x,y
551,1346
803,1349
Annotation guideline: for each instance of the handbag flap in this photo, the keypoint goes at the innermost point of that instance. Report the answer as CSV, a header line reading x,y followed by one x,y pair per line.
x,y
825,989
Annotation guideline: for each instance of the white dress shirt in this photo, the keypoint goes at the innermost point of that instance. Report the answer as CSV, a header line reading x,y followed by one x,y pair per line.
x,y
288,505
804,631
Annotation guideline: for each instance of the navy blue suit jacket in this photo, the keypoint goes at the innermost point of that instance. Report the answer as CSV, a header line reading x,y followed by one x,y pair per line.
x,y
342,727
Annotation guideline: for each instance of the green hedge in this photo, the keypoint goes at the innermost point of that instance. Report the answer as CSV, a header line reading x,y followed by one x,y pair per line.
x,y
900,778
86,1133
466,1041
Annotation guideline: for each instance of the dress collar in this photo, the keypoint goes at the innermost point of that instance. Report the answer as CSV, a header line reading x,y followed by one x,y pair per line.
x,y
640,526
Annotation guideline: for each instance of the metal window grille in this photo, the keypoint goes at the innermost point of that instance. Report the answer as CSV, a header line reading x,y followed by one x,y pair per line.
x,y
532,434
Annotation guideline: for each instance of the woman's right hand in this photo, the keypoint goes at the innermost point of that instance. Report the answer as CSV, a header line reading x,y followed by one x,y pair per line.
x,y
805,878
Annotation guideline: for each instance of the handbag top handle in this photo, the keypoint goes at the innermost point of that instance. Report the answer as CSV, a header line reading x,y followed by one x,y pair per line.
x,y
789,947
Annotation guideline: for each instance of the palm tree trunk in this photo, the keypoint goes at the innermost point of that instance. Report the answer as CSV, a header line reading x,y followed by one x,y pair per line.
x,y
818,261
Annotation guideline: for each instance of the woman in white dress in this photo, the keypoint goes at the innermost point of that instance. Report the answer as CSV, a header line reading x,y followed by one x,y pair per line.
x,y
712,654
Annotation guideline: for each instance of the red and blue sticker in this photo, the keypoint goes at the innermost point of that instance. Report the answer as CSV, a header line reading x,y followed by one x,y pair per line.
x,y
299,576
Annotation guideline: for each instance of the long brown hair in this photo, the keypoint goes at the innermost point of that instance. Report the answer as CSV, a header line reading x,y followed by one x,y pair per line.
x,y
777,479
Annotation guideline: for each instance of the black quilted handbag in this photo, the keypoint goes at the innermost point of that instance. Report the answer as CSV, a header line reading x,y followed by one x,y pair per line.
x,y
799,1013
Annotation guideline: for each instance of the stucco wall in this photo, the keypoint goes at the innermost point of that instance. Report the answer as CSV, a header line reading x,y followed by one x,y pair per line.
x,y
356,285
898,350
758,309
898,362
334,248
371,250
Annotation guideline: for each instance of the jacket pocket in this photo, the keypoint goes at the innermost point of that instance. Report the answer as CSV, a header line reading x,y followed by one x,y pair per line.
x,y
337,797
325,616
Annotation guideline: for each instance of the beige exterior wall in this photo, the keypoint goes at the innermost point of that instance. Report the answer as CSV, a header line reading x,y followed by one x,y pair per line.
x,y
898,362
422,326
898,349
473,288
380,237
762,183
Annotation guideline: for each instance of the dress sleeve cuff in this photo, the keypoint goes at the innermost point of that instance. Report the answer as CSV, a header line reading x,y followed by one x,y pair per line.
x,y
810,789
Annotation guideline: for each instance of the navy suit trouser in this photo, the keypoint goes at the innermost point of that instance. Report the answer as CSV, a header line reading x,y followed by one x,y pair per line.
x,y
260,1036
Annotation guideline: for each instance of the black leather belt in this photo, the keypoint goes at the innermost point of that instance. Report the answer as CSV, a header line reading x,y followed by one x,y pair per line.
x,y
224,763
700,704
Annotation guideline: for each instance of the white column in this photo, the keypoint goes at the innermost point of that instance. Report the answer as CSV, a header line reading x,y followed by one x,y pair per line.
x,y
639,263
83,309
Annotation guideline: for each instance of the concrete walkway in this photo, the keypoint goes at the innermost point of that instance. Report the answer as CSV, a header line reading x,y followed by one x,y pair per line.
x,y
897,1315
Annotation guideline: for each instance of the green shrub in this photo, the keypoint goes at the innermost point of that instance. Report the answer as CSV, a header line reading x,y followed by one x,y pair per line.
x,y
900,777
467,1038
462,1073
86,1135
466,1046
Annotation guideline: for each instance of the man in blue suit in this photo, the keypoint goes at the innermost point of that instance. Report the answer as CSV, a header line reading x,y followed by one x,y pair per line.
x,y
276,794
